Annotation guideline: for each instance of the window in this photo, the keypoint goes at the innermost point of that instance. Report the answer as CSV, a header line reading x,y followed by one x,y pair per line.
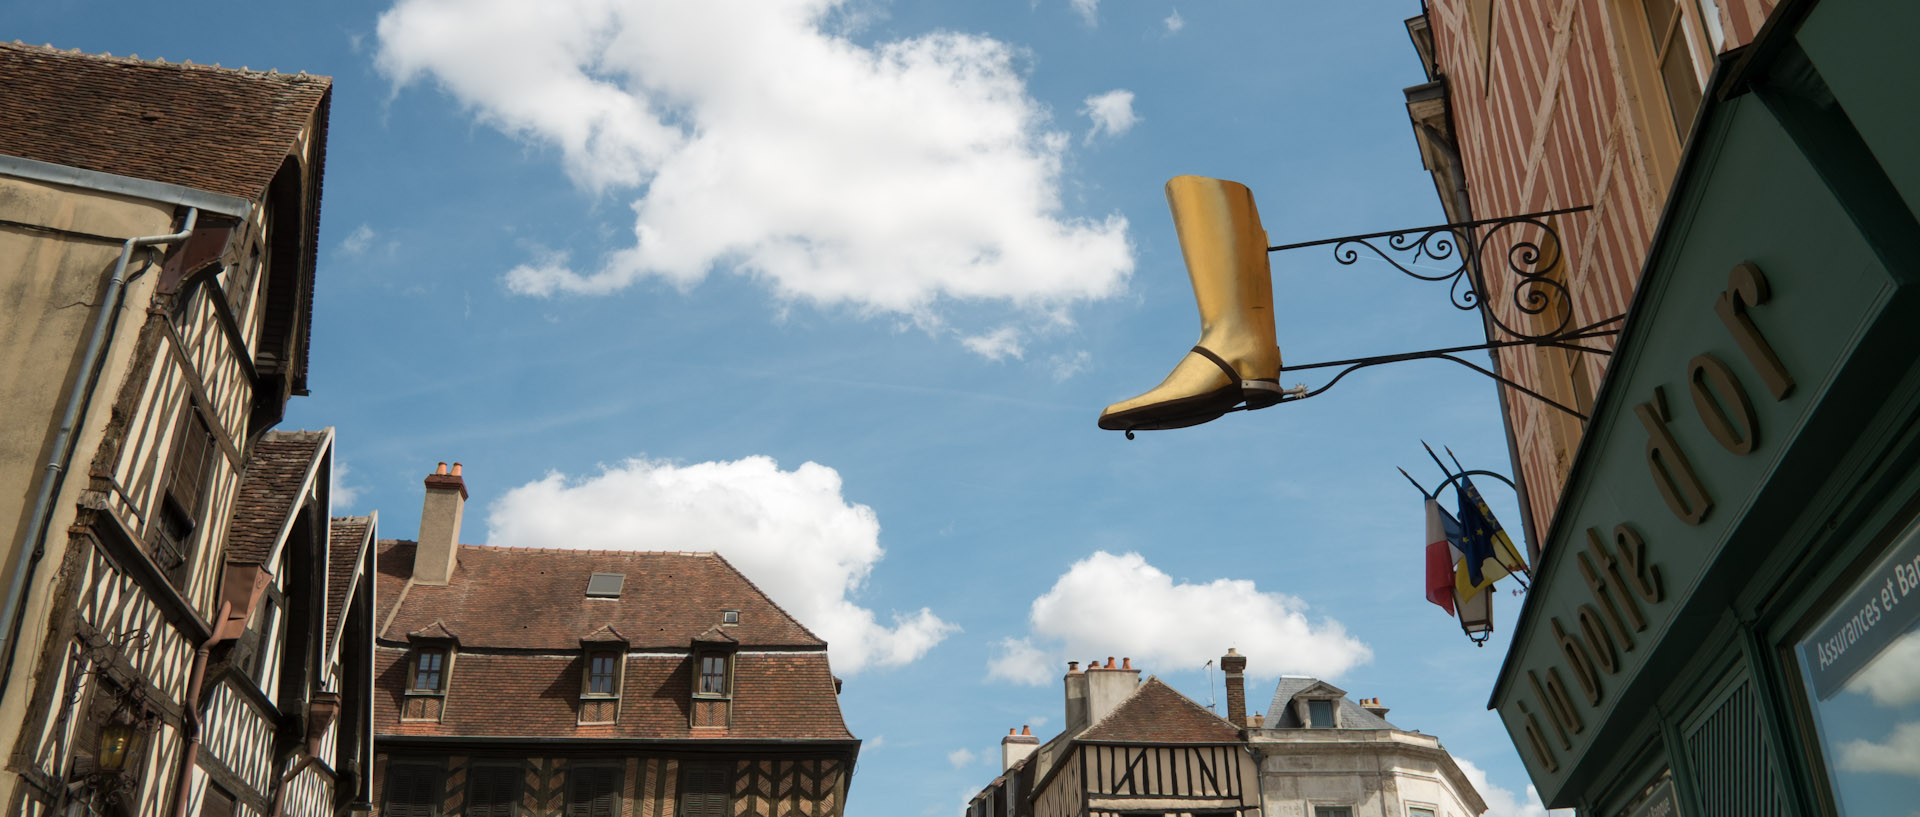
x,y
593,791
1320,714
729,616
264,633
1332,811
429,671
602,669
411,790
492,791
1419,811
703,790
185,497
713,674
1673,38
216,802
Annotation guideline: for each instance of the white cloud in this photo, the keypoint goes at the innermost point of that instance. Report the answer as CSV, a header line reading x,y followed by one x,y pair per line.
x,y
962,758
342,495
1111,112
756,138
873,743
998,344
1174,23
1893,679
1504,803
1089,10
791,532
1036,722
357,241
1121,605
1066,366
1900,754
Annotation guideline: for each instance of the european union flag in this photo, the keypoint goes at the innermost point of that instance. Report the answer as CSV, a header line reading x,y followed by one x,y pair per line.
x,y
1482,540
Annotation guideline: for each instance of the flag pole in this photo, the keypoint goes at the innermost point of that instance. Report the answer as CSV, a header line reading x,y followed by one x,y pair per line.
x,y
1416,483
1436,459
1454,457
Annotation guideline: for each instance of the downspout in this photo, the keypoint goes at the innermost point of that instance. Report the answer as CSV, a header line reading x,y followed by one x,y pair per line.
x,y
80,393
190,707
1459,172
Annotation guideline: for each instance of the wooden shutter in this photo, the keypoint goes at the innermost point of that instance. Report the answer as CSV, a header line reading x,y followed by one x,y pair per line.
x,y
593,791
492,791
704,791
411,790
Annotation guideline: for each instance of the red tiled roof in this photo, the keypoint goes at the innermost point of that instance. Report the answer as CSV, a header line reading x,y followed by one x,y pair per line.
x,y
346,542
214,129
784,696
528,598
1157,713
276,469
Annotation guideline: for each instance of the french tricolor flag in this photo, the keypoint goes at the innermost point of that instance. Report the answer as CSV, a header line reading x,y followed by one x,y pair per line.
x,y
1443,553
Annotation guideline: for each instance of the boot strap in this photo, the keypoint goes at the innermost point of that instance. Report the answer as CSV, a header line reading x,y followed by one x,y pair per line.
x,y
1263,385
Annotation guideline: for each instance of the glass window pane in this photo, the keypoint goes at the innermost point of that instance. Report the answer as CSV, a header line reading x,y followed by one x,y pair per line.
x,y
1710,16
1683,86
1861,668
1659,14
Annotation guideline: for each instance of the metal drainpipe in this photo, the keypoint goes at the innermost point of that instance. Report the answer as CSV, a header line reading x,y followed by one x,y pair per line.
x,y
79,395
190,707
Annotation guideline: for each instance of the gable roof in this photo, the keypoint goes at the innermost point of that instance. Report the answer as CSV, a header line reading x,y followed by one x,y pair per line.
x,y
214,129
278,468
535,599
347,540
1157,713
1280,714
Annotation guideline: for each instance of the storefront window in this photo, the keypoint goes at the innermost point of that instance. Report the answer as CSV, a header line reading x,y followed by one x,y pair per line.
x,y
1861,666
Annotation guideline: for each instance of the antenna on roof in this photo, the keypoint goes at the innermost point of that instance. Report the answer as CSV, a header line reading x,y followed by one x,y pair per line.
x,y
1208,669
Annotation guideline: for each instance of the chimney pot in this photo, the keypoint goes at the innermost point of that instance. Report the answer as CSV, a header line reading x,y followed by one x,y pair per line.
x,y
1109,662
1126,663
456,469
1073,666
1026,731
441,470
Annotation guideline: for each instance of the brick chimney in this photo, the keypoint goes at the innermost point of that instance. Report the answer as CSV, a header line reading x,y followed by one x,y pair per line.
x,y
439,548
1076,682
1235,666
1107,686
1016,746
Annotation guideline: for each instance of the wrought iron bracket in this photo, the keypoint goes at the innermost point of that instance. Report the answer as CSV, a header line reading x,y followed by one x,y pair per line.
x,y
1531,252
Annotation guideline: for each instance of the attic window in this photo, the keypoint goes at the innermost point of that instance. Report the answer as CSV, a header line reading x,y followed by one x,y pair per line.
x,y
729,616
605,585
1320,714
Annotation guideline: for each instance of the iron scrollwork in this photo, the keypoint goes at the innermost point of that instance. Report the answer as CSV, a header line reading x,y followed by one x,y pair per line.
x,y
1525,249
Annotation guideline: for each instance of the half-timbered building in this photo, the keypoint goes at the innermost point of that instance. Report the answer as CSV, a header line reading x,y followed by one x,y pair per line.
x,y
518,681
172,572
1142,749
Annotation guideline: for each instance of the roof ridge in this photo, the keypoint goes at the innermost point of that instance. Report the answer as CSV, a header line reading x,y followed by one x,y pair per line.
x,y
49,50
1135,697
591,551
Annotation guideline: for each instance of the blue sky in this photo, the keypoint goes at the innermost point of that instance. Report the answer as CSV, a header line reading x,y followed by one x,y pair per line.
x,y
839,290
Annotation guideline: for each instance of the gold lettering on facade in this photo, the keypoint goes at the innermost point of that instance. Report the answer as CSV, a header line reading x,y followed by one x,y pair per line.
x,y
1672,473
1643,575
1539,744
1578,662
1715,390
1599,641
1747,287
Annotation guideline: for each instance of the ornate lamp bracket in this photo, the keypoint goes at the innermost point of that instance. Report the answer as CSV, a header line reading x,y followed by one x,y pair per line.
x,y
1526,256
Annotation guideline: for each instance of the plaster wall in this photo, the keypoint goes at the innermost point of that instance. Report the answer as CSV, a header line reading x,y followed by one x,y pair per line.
x,y
1372,780
50,288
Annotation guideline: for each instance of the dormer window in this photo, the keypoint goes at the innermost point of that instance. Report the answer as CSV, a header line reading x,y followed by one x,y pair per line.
x,y
602,669
729,616
715,674
429,672
1320,714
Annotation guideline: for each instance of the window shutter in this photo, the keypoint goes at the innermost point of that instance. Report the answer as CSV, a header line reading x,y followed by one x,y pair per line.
x,y
593,791
492,790
410,790
704,792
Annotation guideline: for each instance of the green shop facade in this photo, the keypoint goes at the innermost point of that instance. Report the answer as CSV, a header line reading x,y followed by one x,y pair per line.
x,y
1725,620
